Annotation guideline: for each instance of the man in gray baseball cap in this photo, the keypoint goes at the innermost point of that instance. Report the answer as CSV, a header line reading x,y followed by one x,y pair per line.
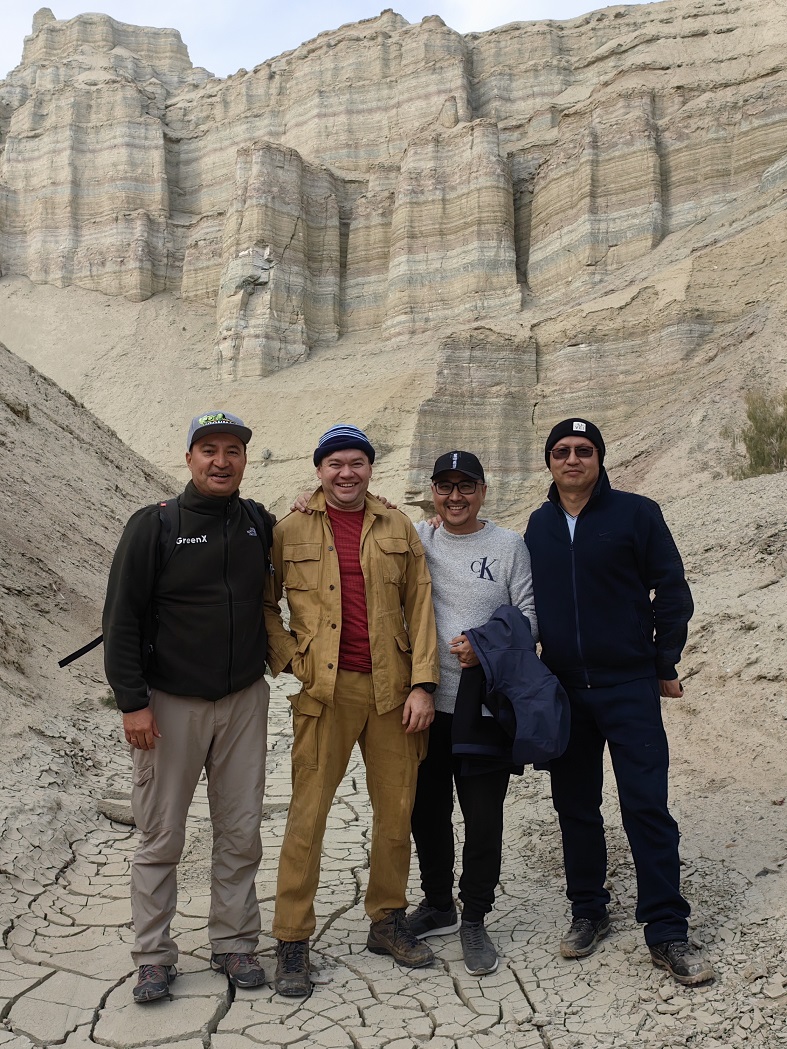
x,y
185,649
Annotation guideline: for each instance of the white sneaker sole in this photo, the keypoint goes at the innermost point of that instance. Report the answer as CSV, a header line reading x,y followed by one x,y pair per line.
x,y
444,930
482,972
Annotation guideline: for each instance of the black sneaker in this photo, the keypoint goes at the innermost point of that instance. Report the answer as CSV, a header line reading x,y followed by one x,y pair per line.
x,y
242,970
426,920
153,982
292,969
682,961
479,954
393,936
582,937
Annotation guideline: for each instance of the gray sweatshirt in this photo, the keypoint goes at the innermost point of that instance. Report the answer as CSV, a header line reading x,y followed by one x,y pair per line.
x,y
472,575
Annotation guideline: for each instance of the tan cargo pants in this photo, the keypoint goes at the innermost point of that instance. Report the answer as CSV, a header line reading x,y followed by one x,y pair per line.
x,y
324,739
228,739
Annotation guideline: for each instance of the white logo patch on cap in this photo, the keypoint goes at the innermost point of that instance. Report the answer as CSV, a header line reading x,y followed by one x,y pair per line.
x,y
455,458
579,426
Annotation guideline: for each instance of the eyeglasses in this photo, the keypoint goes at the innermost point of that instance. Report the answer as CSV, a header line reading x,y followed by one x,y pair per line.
x,y
584,451
447,487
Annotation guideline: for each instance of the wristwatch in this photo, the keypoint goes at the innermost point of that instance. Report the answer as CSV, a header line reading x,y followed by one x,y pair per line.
x,y
427,686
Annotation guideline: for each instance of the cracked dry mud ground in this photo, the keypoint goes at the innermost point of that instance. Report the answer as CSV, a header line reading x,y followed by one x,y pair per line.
x,y
66,975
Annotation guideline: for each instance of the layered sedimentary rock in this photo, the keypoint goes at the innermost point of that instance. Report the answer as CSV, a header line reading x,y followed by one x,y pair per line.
x,y
483,399
279,285
83,177
451,254
455,171
522,195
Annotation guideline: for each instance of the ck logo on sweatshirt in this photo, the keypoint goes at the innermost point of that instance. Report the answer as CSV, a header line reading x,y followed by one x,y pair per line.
x,y
483,568
196,539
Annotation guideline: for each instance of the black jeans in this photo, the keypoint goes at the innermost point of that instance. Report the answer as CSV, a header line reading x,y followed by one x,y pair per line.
x,y
481,800
628,718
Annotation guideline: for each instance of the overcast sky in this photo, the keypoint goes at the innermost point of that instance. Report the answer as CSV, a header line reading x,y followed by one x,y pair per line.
x,y
225,35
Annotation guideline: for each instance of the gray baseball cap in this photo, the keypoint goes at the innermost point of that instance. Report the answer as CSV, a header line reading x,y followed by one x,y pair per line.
x,y
217,422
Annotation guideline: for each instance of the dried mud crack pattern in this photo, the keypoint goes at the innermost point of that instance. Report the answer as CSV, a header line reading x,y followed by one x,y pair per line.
x,y
66,975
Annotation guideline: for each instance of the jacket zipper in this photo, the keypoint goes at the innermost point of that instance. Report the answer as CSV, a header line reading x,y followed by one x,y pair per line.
x,y
231,643
576,612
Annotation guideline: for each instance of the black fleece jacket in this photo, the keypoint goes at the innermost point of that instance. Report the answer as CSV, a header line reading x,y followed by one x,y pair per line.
x,y
202,613
598,624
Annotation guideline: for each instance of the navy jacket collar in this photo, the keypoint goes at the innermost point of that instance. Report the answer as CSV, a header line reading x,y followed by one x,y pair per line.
x,y
601,487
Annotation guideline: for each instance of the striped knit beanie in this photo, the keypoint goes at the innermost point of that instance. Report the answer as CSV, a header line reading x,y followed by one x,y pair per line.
x,y
340,437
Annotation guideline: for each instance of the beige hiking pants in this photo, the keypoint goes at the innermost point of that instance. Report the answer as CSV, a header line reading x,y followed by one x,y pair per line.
x,y
228,739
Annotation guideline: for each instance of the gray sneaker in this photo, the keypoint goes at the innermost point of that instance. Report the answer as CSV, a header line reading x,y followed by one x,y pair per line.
x,y
429,921
582,937
480,956
682,961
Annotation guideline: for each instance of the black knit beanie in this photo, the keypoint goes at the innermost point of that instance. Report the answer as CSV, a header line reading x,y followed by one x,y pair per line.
x,y
575,428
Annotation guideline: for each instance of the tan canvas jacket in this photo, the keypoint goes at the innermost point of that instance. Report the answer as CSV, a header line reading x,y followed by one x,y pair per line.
x,y
402,633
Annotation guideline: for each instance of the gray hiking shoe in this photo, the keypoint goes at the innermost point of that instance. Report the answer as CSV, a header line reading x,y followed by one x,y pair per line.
x,y
682,961
582,937
479,954
292,969
393,936
426,920
153,982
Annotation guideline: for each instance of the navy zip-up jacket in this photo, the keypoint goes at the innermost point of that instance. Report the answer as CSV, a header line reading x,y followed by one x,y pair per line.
x,y
598,623
203,612
530,719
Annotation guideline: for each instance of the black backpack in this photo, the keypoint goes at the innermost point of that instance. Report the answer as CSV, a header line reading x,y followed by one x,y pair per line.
x,y
169,518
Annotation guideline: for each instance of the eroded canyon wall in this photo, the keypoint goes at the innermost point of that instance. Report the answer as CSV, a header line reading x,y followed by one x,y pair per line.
x,y
388,181
120,161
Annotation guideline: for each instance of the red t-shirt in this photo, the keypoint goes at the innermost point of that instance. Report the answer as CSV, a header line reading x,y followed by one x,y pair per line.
x,y
354,651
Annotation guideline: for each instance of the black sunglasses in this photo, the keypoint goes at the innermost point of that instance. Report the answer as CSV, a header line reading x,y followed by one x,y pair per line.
x,y
584,451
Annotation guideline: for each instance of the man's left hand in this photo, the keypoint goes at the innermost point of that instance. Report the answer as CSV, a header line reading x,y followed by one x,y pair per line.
x,y
671,689
464,651
418,711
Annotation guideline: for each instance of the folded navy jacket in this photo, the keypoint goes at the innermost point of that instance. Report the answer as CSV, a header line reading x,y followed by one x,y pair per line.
x,y
530,718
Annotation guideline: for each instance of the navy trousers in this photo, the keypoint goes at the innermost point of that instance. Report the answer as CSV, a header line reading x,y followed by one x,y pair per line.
x,y
628,719
481,801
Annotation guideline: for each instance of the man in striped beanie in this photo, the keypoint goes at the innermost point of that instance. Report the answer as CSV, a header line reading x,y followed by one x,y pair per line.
x,y
363,643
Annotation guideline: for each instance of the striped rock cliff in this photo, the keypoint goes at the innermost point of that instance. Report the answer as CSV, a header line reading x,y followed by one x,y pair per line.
x,y
577,215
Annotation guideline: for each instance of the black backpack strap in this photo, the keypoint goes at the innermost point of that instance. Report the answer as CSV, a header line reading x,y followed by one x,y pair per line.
x,y
83,651
263,522
169,526
169,518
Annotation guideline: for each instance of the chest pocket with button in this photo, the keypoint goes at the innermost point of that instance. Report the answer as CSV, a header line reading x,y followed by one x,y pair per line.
x,y
301,566
394,564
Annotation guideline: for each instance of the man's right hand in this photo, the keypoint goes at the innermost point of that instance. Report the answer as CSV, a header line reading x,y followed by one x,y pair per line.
x,y
301,504
140,729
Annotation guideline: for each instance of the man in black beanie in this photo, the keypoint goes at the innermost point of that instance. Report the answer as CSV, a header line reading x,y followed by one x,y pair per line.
x,y
597,555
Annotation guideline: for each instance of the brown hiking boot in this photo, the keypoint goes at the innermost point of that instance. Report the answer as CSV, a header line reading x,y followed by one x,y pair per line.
x,y
292,969
682,961
394,936
153,982
242,970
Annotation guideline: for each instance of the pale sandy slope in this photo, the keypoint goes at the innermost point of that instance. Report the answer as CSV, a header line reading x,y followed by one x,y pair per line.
x,y
728,734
